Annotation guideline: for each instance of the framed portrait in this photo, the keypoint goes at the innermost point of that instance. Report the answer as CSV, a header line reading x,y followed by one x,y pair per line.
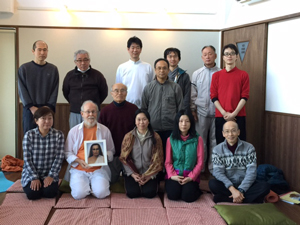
x,y
95,152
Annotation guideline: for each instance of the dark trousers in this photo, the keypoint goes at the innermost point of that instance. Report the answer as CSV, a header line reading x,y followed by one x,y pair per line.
x,y
164,136
134,190
115,168
188,192
28,121
219,122
255,194
48,192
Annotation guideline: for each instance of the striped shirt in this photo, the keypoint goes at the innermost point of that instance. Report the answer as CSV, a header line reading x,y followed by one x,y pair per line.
x,y
42,156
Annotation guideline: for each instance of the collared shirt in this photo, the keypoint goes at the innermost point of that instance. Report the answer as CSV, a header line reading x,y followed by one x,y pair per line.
x,y
135,75
43,156
75,139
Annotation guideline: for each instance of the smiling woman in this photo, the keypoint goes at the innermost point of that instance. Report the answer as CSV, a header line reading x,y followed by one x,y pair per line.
x,y
42,161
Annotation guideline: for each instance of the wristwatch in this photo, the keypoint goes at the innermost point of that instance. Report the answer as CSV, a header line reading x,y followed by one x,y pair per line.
x,y
241,190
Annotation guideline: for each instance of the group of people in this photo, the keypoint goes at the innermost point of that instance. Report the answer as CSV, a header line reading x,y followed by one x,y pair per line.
x,y
160,125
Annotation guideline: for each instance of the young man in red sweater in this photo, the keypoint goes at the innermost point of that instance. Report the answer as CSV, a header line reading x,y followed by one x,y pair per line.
x,y
229,92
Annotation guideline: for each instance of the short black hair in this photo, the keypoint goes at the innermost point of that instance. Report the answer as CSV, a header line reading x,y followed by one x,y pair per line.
x,y
137,112
42,111
161,59
176,134
135,40
170,50
231,46
209,46
91,149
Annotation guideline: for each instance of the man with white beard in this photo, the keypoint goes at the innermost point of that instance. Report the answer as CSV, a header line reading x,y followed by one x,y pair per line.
x,y
85,180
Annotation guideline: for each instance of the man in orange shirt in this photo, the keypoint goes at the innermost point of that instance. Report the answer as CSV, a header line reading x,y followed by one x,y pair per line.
x,y
84,179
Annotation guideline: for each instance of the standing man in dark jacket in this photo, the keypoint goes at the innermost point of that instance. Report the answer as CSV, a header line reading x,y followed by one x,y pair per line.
x,y
81,84
179,75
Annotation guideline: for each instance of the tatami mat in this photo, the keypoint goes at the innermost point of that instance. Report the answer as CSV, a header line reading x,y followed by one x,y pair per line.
x,y
121,201
67,201
139,216
205,200
17,186
21,200
12,215
88,216
193,216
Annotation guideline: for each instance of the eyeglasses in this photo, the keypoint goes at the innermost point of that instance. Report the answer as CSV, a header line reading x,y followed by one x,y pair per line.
x,y
229,54
234,131
117,91
82,60
88,112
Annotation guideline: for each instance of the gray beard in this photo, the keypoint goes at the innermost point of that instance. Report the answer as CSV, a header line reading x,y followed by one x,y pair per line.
x,y
88,124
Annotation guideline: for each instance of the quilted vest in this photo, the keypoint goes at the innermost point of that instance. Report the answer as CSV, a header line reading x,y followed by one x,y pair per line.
x,y
184,154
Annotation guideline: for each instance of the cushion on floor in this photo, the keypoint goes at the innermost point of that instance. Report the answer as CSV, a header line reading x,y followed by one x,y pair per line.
x,y
258,214
24,215
121,201
192,216
87,216
205,200
67,201
21,200
139,216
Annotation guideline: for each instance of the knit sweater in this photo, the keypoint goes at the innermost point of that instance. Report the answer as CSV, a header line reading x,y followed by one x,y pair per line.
x,y
119,119
38,84
229,88
79,87
238,169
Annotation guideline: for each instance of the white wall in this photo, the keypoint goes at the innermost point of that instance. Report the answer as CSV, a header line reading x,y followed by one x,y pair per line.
x,y
239,14
220,14
7,93
282,91
26,14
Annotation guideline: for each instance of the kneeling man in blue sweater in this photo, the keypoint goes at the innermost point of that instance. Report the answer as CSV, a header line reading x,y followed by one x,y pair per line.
x,y
234,167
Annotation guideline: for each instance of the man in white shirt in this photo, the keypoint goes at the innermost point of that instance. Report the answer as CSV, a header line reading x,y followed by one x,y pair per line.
x,y
135,74
84,179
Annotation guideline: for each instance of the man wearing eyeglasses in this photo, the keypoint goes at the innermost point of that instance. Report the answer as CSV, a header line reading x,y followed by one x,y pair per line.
x,y
234,167
37,84
119,117
229,92
84,179
81,84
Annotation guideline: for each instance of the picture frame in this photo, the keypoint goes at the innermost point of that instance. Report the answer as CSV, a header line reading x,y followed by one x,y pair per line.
x,y
90,155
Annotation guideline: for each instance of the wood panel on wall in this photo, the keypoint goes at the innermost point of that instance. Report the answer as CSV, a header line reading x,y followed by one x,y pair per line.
x,y
254,64
282,145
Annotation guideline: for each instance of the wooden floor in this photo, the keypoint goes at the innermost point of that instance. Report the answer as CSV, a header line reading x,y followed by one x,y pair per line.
x,y
292,211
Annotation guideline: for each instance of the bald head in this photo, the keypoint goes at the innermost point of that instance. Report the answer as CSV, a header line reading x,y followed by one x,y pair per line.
x,y
119,92
231,132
